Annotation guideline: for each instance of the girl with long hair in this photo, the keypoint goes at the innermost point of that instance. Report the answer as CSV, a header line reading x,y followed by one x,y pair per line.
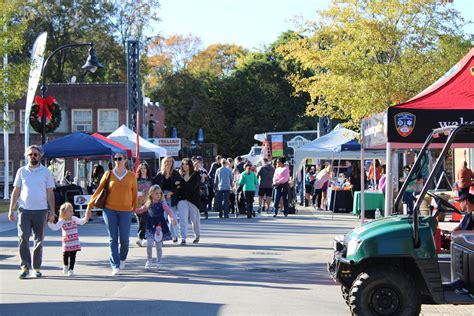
x,y
156,229
169,180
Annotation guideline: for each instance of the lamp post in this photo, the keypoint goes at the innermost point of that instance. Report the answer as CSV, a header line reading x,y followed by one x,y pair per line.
x,y
92,64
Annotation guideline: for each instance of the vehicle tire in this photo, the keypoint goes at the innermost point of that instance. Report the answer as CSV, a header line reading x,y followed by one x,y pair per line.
x,y
345,294
389,292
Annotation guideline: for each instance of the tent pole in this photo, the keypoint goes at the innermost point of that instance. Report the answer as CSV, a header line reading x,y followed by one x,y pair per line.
x,y
362,179
388,180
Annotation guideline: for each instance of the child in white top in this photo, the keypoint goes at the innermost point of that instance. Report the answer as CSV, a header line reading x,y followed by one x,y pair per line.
x,y
71,245
157,229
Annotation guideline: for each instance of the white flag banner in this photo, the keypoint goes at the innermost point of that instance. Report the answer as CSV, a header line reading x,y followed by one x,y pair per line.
x,y
37,57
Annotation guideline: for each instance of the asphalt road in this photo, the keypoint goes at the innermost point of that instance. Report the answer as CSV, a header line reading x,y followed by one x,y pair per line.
x,y
262,266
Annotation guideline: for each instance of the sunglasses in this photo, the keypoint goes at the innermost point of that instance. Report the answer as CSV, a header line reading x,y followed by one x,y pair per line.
x,y
33,155
118,158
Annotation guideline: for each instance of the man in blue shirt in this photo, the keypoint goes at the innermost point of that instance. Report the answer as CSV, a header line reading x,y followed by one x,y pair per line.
x,y
223,182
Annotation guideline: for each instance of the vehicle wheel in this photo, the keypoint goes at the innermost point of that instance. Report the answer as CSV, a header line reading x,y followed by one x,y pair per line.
x,y
345,294
390,292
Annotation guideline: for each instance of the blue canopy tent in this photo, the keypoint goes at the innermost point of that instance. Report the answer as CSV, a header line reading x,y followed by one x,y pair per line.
x,y
79,145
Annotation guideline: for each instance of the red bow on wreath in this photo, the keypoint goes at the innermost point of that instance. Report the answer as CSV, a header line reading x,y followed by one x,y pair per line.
x,y
43,106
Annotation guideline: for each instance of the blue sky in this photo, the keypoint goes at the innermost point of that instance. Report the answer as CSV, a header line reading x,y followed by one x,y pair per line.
x,y
249,23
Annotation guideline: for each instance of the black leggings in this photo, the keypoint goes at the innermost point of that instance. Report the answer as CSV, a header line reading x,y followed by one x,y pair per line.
x,y
249,197
66,261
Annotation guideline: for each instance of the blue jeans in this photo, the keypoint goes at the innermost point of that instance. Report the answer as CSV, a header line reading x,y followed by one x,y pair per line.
x,y
409,200
281,191
222,196
118,227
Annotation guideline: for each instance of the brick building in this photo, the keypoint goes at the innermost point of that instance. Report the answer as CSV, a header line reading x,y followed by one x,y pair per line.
x,y
87,108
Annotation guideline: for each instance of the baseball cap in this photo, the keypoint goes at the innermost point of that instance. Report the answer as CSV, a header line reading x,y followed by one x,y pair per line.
x,y
199,158
466,197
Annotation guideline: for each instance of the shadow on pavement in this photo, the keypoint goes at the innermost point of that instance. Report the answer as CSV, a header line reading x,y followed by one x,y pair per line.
x,y
112,307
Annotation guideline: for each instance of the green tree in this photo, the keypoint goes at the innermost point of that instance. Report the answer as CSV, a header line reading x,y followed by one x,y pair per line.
x,y
367,55
216,60
13,77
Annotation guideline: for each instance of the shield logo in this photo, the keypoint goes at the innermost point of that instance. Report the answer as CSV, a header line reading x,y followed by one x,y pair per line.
x,y
405,123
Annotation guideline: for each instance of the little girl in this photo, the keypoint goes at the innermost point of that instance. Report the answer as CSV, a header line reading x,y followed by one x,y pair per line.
x,y
68,223
157,229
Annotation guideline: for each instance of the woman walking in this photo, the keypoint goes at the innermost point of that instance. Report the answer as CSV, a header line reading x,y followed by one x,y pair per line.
x,y
249,182
121,200
169,180
144,183
189,200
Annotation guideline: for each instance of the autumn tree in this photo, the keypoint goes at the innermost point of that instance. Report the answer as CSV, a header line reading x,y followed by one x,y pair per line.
x,y
169,55
367,55
217,60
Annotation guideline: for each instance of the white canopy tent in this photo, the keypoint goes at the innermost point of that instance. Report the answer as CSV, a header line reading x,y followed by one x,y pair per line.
x,y
340,143
124,131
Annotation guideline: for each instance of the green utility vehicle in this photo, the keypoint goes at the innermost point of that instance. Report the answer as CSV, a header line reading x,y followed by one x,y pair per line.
x,y
390,266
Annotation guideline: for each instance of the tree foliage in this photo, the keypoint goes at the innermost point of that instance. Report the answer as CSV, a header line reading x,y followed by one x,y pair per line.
x,y
367,55
232,94
12,75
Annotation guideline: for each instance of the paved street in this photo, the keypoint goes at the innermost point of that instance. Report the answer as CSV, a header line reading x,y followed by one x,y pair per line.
x,y
262,266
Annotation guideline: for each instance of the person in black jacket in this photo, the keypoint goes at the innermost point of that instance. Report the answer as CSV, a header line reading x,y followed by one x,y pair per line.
x,y
169,180
189,200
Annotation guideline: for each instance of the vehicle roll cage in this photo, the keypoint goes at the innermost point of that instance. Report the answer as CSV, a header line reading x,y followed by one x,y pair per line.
x,y
451,132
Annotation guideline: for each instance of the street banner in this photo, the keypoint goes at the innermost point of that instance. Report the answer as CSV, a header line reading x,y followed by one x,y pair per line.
x,y
37,57
172,145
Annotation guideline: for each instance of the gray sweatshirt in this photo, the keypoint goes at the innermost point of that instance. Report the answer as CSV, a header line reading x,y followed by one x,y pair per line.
x,y
223,179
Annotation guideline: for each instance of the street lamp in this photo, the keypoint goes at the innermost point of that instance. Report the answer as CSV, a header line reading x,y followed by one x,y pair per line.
x,y
92,64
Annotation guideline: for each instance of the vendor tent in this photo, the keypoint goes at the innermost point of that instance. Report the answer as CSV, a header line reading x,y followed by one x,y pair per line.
x,y
340,143
116,144
448,101
77,145
145,153
146,145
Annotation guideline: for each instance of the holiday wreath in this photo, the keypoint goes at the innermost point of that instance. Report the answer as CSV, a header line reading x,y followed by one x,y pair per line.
x,y
49,108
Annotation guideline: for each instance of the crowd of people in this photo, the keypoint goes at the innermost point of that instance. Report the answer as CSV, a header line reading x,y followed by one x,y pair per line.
x,y
164,203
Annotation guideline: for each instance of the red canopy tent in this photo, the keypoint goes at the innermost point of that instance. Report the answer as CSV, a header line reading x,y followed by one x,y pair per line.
x,y
448,101
108,140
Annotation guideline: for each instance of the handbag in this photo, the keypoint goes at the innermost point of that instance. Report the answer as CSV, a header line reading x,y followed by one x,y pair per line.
x,y
100,201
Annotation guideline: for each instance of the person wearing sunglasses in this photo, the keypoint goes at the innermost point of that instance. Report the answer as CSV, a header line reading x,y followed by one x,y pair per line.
x,y
33,191
122,199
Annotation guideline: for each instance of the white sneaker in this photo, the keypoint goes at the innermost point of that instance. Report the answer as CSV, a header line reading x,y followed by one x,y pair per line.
x,y
159,265
144,243
122,264
148,265
65,269
70,273
139,243
115,271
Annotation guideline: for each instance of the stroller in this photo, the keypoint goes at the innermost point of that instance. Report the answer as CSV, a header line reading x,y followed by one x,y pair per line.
x,y
240,198
292,200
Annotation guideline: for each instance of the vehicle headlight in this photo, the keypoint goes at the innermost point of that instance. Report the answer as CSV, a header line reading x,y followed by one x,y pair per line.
x,y
352,246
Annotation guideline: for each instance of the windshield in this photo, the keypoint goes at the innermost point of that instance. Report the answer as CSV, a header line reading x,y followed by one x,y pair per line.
x,y
257,151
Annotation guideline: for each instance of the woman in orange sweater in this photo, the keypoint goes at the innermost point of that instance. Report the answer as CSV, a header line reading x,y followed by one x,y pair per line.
x,y
121,200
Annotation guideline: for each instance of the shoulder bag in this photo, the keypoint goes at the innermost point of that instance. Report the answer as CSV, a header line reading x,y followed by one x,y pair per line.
x,y
100,201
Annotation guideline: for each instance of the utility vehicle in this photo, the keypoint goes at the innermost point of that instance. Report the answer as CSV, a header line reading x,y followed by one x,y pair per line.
x,y
390,266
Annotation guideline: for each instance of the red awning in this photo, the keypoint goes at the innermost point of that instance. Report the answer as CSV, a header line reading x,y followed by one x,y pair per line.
x,y
108,140
453,91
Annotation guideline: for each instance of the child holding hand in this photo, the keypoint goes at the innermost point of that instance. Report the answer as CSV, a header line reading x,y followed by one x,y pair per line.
x,y
157,229
71,245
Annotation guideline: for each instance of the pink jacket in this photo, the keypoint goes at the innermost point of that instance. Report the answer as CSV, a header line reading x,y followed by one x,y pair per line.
x,y
281,175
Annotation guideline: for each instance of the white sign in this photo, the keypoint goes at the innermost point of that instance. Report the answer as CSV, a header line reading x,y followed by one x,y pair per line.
x,y
297,142
172,145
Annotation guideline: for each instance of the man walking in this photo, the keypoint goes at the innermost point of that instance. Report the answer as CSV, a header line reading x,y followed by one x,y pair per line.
x,y
212,174
223,184
265,184
33,190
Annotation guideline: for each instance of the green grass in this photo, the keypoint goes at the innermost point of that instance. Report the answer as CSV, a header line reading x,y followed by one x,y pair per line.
x,y
4,205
